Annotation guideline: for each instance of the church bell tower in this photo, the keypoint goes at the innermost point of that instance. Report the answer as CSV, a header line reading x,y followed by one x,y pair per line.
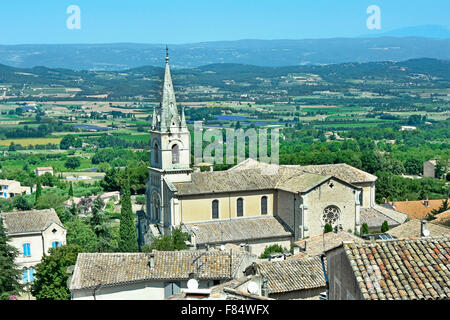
x,y
170,156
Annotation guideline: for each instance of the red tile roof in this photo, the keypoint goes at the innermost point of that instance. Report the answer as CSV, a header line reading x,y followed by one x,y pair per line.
x,y
417,209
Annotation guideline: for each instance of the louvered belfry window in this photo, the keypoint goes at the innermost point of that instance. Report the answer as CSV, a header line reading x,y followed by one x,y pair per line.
x,y
175,154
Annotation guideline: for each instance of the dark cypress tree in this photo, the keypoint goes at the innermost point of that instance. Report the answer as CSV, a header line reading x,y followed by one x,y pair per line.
x,y
71,190
128,232
38,189
9,273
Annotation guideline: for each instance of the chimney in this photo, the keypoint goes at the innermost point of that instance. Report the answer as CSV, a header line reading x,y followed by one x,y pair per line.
x,y
152,261
423,231
426,203
264,289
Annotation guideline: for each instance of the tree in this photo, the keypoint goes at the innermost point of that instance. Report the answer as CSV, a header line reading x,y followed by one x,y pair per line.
x,y
99,226
365,228
20,203
328,228
81,235
128,232
172,242
385,226
51,275
9,271
72,163
50,199
71,190
38,189
276,248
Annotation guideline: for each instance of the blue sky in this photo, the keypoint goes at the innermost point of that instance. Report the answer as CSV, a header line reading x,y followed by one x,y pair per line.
x,y
187,21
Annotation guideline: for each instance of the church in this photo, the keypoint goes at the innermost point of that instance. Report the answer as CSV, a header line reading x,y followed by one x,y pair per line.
x,y
252,204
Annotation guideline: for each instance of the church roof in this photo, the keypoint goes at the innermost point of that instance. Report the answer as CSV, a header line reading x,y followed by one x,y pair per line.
x,y
237,230
252,179
341,171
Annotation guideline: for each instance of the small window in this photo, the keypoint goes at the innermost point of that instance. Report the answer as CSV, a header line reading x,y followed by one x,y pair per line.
x,y
56,244
240,207
215,209
264,205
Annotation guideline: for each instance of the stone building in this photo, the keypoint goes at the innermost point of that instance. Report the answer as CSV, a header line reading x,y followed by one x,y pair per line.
x,y
283,202
152,276
12,188
33,233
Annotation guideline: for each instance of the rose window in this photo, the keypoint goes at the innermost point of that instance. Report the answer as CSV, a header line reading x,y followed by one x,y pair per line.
x,y
331,215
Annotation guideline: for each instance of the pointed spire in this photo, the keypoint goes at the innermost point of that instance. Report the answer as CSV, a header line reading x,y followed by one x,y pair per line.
x,y
169,111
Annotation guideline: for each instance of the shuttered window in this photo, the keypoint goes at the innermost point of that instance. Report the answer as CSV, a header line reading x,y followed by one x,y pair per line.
x,y
240,207
26,250
215,209
264,205
25,275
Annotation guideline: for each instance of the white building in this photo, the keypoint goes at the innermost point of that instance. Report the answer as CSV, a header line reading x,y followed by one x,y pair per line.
x,y
12,188
33,233
43,170
152,276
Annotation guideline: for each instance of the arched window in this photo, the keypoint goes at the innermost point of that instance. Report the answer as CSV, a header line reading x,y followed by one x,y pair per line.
x,y
215,209
175,154
331,215
155,151
156,207
264,205
240,207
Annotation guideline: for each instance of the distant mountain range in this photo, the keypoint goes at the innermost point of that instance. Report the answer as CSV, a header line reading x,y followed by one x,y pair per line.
x,y
426,31
270,53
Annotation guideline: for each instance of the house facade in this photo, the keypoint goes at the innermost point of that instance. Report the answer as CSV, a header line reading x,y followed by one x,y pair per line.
x,y
12,188
152,276
33,233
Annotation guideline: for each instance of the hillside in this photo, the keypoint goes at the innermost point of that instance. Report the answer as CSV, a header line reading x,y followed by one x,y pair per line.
x,y
123,56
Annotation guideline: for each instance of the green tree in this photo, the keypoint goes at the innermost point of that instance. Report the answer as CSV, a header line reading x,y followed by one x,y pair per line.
x,y
99,226
272,249
128,232
173,242
72,163
71,190
9,271
80,234
365,228
50,199
51,275
21,203
385,226
328,228
38,189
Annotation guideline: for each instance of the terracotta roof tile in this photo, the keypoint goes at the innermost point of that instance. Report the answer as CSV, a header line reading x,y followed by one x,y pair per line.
x,y
409,271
